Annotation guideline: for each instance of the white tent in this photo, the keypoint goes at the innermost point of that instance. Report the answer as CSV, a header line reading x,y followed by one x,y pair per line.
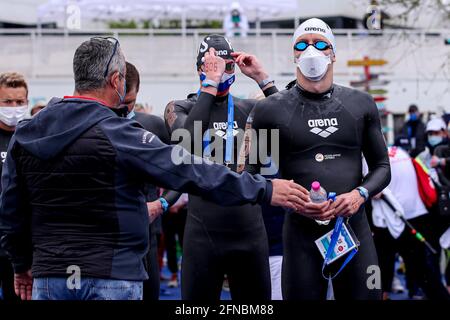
x,y
54,10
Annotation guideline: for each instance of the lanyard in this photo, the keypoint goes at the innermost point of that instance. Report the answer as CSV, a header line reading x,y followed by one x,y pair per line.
x,y
206,139
229,134
230,138
334,238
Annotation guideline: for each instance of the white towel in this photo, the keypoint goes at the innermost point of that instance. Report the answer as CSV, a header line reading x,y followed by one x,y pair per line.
x,y
444,241
383,216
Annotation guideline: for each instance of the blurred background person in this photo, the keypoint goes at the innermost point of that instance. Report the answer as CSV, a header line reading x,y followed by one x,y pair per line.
x,y
414,129
434,165
436,135
422,266
440,161
13,108
441,157
235,23
38,106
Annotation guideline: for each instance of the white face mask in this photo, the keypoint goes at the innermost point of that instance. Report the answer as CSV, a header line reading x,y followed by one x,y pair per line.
x,y
313,64
12,115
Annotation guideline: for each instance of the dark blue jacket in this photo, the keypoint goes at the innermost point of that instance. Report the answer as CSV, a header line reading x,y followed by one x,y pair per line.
x,y
73,190
273,220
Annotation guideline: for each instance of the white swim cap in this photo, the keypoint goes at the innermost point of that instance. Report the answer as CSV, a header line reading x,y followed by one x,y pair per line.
x,y
315,26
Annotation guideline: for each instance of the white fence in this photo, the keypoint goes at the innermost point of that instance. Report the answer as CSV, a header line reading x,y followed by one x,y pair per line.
x,y
418,68
47,52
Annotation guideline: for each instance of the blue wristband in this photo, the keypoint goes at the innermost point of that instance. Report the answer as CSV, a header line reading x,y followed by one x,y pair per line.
x,y
363,192
164,204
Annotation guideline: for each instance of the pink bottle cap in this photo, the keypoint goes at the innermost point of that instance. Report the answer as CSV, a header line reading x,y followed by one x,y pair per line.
x,y
315,185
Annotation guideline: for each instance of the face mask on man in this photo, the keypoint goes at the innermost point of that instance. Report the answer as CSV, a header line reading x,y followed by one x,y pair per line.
x,y
435,140
225,82
122,97
413,117
12,115
131,114
313,64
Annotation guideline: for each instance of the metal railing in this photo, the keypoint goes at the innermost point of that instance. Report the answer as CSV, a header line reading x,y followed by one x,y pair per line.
x,y
417,69
48,52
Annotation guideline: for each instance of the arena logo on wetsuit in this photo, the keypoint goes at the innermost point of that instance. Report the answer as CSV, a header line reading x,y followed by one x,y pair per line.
x,y
221,128
317,124
257,154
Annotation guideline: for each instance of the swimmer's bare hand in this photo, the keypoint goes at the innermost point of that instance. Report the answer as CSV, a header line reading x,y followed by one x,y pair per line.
x,y
347,204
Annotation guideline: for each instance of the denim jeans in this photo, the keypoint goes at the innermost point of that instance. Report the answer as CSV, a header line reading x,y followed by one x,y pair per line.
x,y
90,289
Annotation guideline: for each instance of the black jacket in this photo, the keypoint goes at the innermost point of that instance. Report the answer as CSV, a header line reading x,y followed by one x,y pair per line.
x,y
416,133
73,194
5,138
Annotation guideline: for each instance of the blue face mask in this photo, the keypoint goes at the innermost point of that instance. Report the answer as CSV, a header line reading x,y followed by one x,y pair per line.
x,y
122,97
225,83
434,140
413,117
131,114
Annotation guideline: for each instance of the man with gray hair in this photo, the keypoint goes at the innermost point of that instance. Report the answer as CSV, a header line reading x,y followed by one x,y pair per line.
x,y
73,215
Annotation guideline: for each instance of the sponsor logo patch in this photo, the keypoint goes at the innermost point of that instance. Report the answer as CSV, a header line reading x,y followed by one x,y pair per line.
x,y
323,127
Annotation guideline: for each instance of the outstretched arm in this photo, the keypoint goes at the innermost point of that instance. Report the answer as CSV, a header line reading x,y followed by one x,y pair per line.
x,y
142,154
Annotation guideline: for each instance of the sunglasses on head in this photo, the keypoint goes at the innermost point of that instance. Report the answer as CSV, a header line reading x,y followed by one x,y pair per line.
x,y
319,45
116,44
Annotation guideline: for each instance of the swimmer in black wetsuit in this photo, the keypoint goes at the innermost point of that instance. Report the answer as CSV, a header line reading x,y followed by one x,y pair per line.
x,y
222,240
324,129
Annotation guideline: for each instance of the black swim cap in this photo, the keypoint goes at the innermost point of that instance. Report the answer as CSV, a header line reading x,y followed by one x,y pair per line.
x,y
220,43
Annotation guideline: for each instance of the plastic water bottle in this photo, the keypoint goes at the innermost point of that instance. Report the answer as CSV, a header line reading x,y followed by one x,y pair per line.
x,y
318,195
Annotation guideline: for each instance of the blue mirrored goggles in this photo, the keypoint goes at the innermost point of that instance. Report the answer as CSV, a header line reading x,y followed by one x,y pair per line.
x,y
319,45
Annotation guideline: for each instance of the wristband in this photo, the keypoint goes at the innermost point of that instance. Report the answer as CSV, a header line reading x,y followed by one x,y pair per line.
x,y
209,83
363,192
265,82
164,204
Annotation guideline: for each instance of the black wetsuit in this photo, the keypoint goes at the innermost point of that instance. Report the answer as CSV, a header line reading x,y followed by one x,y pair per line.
x,y
155,125
322,137
221,240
